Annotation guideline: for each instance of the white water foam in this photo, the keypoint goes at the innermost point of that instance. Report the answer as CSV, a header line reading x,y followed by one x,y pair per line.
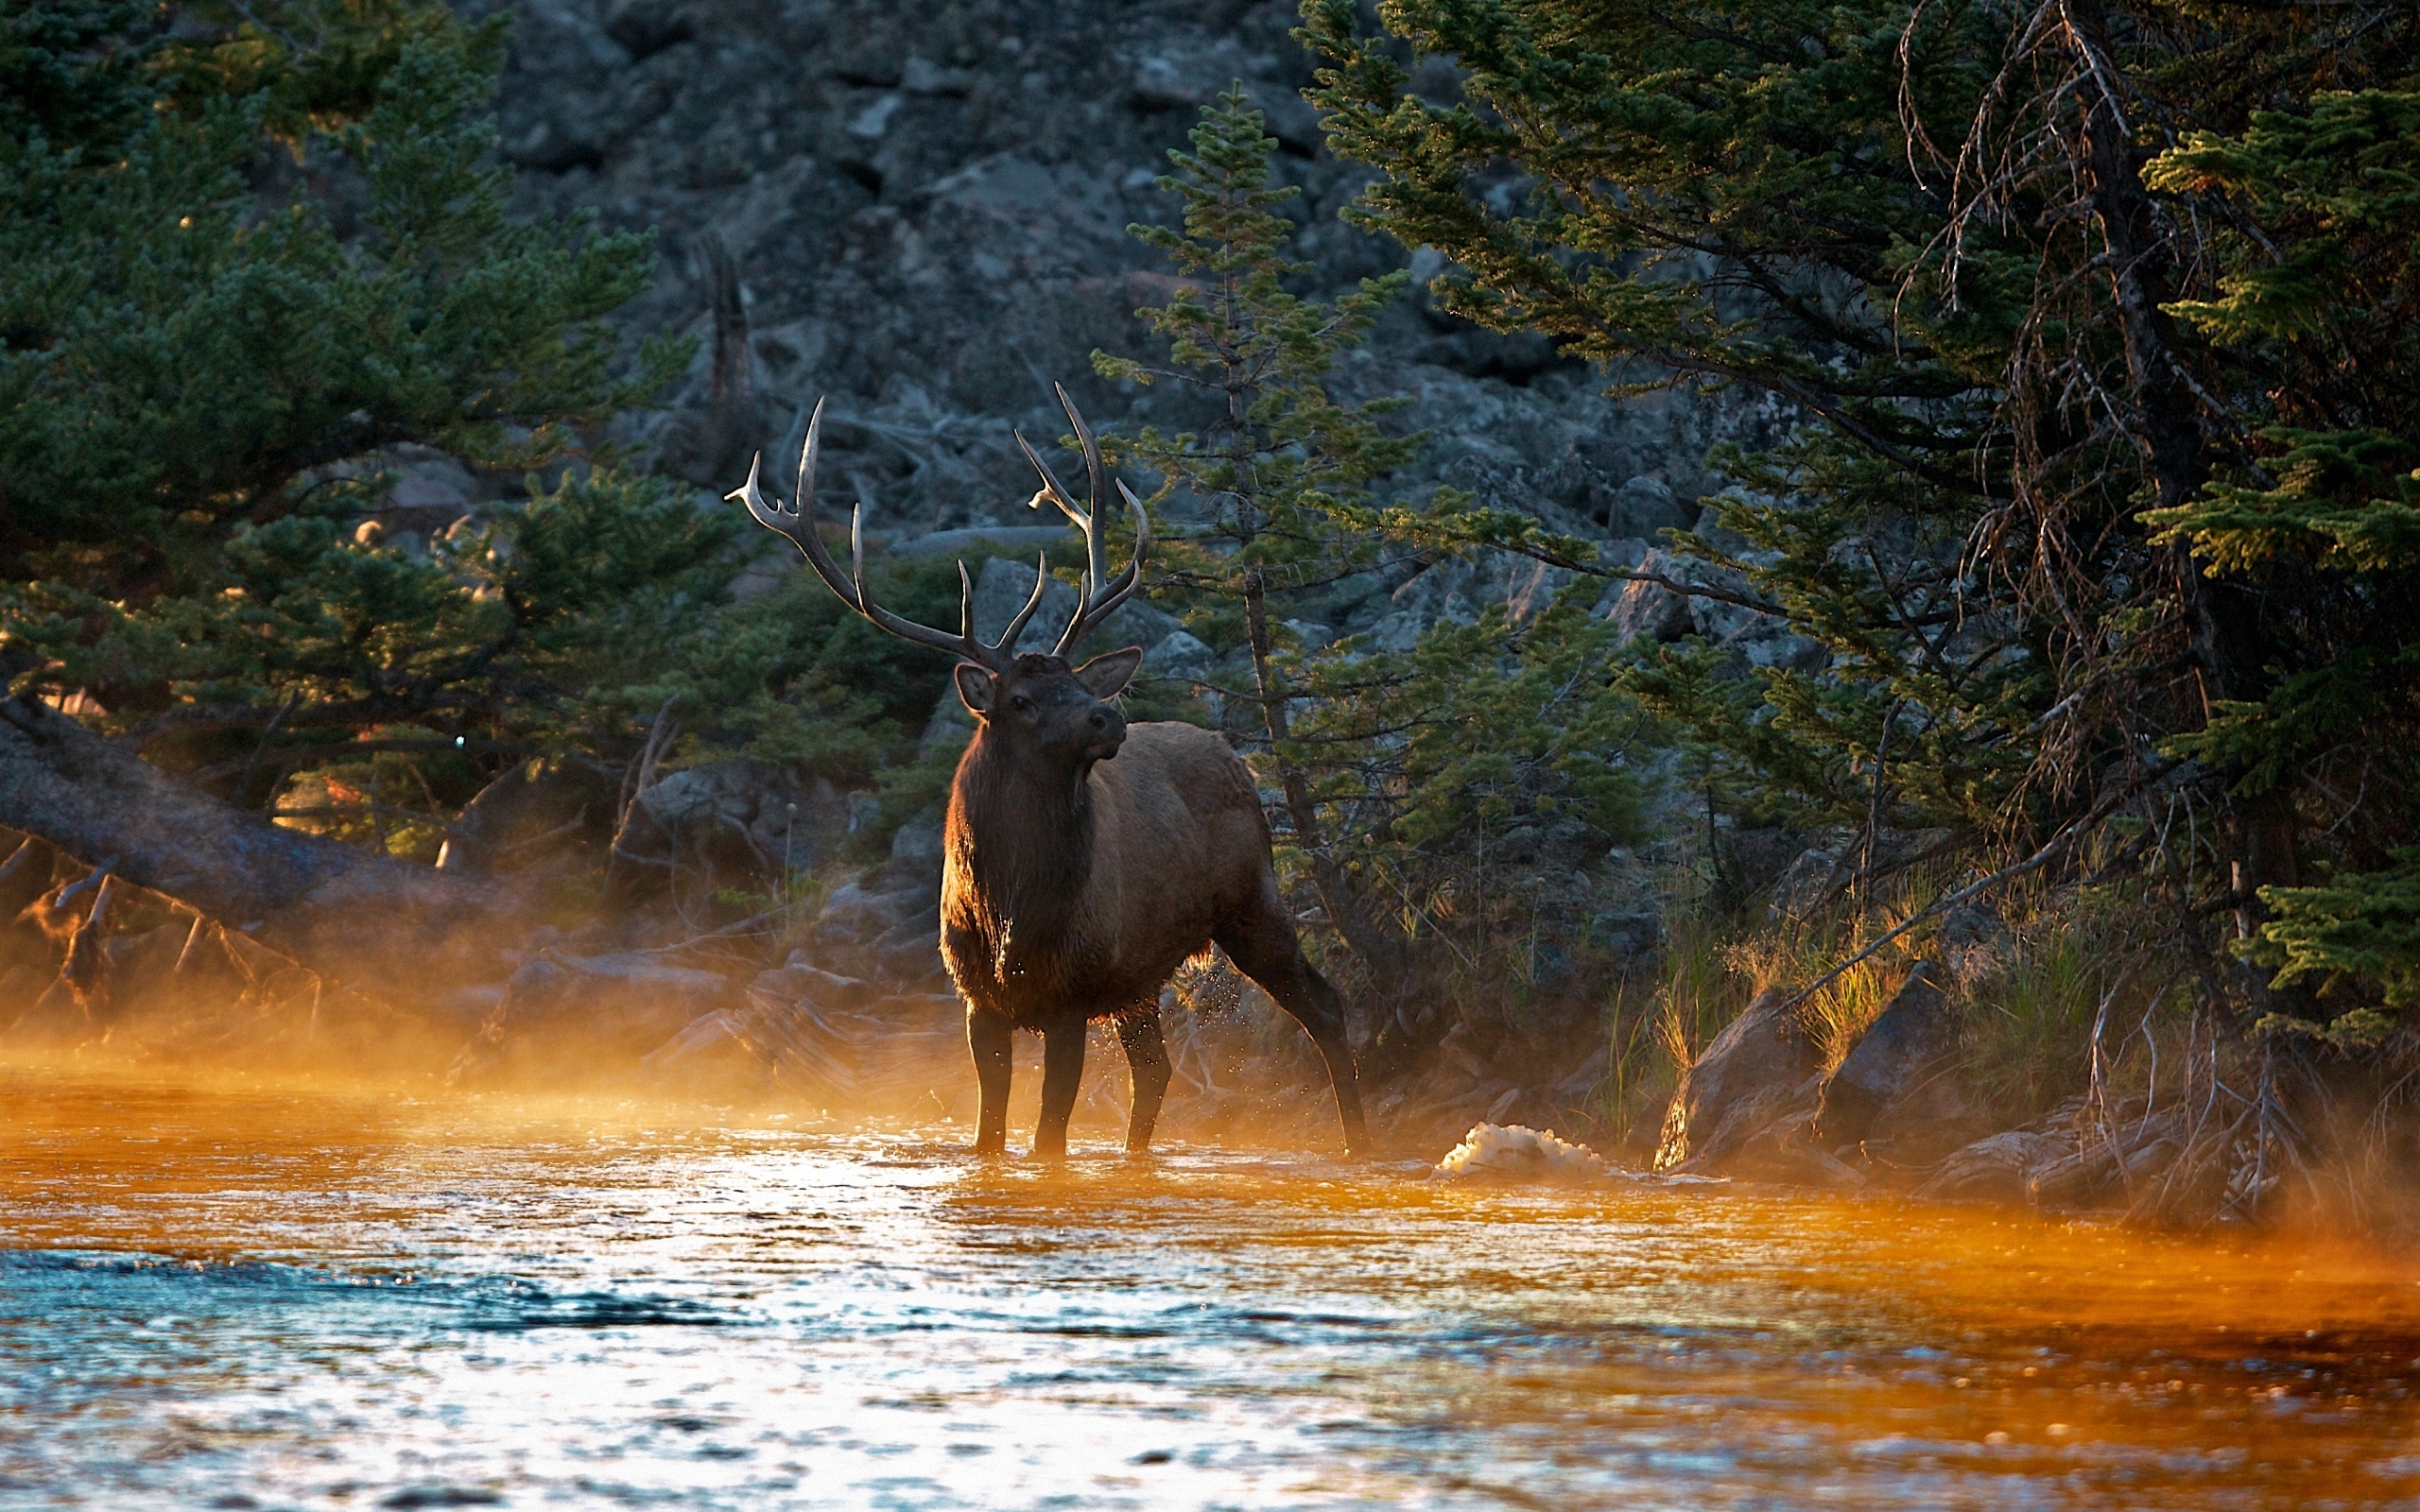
x,y
1519,1153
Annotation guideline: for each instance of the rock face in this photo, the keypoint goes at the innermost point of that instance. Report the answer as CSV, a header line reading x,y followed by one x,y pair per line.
x,y
1899,1091
922,212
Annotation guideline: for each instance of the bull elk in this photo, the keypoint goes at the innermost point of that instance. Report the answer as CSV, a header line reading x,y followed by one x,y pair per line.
x,y
1084,858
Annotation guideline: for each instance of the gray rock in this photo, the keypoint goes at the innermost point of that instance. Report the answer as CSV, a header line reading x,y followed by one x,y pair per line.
x,y
854,916
563,1016
1180,656
910,951
917,845
1006,585
801,981
1997,1168
742,816
1753,1086
1650,611
1899,1087
1645,507
1003,589
1974,942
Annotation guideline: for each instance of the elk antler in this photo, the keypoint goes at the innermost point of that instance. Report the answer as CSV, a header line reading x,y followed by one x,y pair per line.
x,y
799,525
1102,594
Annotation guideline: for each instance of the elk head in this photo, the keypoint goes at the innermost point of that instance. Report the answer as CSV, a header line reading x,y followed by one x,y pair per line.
x,y
1038,704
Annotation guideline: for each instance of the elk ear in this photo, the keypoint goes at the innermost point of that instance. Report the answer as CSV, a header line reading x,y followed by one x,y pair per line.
x,y
977,687
1106,675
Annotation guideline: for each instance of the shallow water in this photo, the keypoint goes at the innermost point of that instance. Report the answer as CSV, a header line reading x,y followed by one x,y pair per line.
x,y
253,1298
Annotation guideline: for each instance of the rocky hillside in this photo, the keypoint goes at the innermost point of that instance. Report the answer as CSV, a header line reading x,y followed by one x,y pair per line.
x,y
922,212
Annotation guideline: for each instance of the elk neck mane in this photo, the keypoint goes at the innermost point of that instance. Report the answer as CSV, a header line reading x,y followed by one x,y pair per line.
x,y
1029,832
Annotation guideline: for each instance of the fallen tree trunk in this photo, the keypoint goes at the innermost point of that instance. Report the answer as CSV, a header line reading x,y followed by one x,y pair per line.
x,y
363,919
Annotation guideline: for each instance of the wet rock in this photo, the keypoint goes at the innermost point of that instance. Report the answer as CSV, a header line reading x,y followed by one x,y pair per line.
x,y
1752,1092
1899,1089
800,980
1997,1168
565,1016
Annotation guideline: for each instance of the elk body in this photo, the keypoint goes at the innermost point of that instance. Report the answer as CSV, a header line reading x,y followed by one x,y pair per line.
x,y
1084,857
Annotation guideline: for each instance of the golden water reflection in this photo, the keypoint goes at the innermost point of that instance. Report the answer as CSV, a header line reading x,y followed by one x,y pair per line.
x,y
257,1298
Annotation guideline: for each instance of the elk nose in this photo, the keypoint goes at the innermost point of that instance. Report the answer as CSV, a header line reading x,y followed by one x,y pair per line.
x,y
1101,719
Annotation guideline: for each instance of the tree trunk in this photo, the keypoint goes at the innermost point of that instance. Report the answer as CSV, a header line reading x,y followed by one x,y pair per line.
x,y
365,920
2229,641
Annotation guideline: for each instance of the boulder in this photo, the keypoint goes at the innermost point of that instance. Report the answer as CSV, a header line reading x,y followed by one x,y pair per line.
x,y
1825,869
910,951
1999,1168
1645,505
1744,1105
1180,656
1899,1091
564,1015
739,816
1974,942
799,981
1650,611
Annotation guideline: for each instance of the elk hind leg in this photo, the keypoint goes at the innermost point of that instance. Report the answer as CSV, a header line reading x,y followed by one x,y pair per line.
x,y
1146,1058
1062,1074
1265,949
988,1037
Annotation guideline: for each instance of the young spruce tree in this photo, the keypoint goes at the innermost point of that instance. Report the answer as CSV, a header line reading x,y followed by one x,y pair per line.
x,y
1392,770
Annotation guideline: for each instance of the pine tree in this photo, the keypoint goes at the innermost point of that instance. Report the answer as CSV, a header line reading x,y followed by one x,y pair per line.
x,y
2095,488
246,255
1392,770
1279,454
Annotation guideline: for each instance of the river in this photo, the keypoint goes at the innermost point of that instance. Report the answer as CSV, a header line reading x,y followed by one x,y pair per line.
x,y
252,1297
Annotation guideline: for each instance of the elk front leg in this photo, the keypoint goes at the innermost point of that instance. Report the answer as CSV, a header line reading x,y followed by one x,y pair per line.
x,y
1063,1072
1146,1058
988,1038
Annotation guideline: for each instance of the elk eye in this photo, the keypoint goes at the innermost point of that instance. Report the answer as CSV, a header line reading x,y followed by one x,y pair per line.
x,y
1020,702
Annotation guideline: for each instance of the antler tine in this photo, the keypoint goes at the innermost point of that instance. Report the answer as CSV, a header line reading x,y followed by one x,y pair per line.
x,y
1101,601
798,524
1051,486
1098,499
1007,645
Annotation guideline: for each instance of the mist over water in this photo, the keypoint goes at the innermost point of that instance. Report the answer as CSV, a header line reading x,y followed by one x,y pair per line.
x,y
242,1297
